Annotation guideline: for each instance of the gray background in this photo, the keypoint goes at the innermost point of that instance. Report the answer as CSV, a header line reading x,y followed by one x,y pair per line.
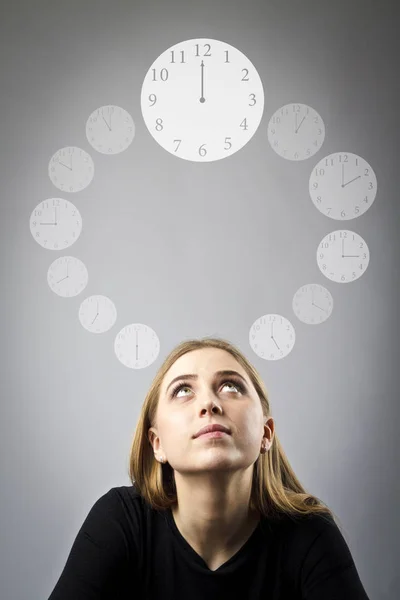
x,y
238,237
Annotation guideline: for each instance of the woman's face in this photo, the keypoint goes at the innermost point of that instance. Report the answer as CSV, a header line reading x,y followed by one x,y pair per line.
x,y
227,400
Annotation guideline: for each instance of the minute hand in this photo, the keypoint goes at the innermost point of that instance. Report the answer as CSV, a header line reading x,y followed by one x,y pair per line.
x,y
202,99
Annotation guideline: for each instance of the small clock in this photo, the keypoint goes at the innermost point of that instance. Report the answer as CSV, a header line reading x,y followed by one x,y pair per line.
x,y
110,129
55,224
137,346
342,186
272,337
202,100
296,131
343,256
67,276
313,304
71,169
97,314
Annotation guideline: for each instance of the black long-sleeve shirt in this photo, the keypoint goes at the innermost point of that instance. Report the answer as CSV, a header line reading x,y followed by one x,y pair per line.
x,y
125,550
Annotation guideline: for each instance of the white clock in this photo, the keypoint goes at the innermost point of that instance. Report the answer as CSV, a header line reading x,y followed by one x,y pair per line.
x,y
55,224
342,186
272,337
343,256
67,276
202,100
110,129
296,131
71,169
97,314
312,304
137,346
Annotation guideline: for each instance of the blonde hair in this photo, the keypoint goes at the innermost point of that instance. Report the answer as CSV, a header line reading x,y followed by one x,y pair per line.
x,y
276,490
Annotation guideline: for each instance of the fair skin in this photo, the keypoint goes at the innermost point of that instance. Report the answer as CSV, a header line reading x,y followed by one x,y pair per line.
x,y
213,476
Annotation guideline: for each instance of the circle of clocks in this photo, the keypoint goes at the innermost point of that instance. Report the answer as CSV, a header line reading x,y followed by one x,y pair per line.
x,y
342,185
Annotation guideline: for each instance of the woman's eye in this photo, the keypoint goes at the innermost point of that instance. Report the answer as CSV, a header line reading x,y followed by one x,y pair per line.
x,y
183,386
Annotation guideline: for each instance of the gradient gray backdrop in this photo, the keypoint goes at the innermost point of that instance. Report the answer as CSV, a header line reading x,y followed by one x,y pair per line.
x,y
239,238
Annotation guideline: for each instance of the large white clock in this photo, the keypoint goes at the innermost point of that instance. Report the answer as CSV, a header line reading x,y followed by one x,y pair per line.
x,y
110,129
67,276
343,256
296,131
55,224
71,169
272,337
312,303
342,186
137,346
202,100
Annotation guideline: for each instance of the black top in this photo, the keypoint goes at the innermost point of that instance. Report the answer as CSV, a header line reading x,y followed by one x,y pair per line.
x,y
125,550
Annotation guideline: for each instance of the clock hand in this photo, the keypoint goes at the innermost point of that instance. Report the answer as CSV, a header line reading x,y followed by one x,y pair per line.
x,y
202,99
60,163
316,306
272,336
106,122
275,343
300,124
66,277
344,185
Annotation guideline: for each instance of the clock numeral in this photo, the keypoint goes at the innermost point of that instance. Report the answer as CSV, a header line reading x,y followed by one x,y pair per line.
x,y
243,124
253,98
159,125
346,158
197,51
244,76
151,99
182,53
201,149
227,53
176,149
163,74
226,142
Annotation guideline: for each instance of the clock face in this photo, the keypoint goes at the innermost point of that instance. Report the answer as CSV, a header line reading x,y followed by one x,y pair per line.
x,y
110,129
67,276
312,304
296,131
55,224
343,256
137,346
97,314
202,100
272,337
71,169
343,186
